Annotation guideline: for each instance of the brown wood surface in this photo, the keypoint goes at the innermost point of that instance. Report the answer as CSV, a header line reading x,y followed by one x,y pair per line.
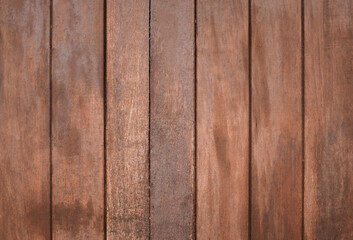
x,y
328,211
78,119
222,119
276,185
172,119
127,119
24,120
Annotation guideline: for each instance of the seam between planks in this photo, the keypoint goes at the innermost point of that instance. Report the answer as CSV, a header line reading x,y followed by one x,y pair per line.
x,y
50,116
303,108
149,118
105,115
195,121
250,117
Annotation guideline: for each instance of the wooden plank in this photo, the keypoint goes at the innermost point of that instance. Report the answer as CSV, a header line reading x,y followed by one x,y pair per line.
x,y
127,119
172,119
24,120
78,119
222,119
276,210
328,212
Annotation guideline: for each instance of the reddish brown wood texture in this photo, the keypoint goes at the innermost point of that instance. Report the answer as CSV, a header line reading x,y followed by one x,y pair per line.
x,y
127,119
78,119
276,185
172,119
24,120
106,106
328,120
222,119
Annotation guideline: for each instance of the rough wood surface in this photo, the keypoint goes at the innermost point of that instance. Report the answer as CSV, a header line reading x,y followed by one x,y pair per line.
x,y
78,119
222,119
24,120
172,119
276,211
328,211
127,119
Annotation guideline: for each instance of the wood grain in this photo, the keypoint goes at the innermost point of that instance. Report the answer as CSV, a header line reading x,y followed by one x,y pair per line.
x,y
127,119
276,210
24,120
78,119
222,119
328,211
172,119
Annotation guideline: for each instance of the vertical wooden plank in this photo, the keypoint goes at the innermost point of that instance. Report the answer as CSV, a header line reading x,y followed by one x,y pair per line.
x,y
276,211
127,119
328,212
172,119
24,120
222,119
78,119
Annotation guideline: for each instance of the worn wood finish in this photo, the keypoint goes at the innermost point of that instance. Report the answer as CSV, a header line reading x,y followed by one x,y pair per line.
x,y
328,119
78,119
24,120
127,119
276,211
222,119
172,119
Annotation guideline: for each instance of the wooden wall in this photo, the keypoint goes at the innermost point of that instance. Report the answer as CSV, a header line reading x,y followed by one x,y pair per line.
x,y
164,119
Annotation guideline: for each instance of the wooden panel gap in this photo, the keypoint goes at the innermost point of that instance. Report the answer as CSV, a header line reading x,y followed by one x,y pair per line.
x,y
303,107
51,113
195,122
105,114
250,116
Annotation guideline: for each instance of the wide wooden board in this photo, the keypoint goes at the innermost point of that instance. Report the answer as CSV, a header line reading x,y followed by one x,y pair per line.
x,y
222,119
172,119
328,211
78,119
24,119
127,119
276,160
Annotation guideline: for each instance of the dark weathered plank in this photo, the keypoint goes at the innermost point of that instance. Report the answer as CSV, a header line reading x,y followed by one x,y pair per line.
x,y
222,119
328,211
127,119
172,119
78,119
24,120
276,210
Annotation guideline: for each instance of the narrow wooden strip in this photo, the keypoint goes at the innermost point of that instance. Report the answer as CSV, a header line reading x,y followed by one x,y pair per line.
x,y
222,119
24,120
127,119
172,119
328,211
78,126
276,120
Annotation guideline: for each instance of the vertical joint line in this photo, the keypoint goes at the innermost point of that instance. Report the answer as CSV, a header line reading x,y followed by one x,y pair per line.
x,y
50,116
250,118
303,108
195,121
105,113
149,119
